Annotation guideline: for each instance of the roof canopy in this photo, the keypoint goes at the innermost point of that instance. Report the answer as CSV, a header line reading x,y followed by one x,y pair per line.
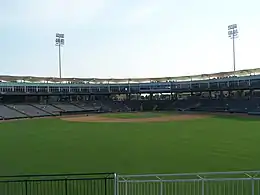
x,y
245,72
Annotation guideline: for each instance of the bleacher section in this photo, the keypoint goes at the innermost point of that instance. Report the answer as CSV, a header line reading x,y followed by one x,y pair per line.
x,y
97,104
115,106
8,113
28,110
48,108
88,106
68,107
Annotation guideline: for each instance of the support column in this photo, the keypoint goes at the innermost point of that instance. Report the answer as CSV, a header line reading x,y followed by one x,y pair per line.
x,y
151,96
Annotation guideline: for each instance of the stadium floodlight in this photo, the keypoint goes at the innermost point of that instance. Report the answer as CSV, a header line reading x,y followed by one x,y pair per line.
x,y
59,42
233,34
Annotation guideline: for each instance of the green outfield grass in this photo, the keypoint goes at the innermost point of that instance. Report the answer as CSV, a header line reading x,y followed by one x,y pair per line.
x,y
56,146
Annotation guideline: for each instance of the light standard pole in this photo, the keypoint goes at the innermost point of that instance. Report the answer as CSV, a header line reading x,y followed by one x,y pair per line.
x,y
59,42
233,34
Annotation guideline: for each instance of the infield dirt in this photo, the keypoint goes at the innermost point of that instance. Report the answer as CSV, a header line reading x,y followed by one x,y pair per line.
x,y
99,118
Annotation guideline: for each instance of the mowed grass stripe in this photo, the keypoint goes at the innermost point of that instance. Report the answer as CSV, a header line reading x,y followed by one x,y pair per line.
x,y
56,146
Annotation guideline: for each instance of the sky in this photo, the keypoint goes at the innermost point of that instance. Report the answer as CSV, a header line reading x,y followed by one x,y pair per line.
x,y
127,38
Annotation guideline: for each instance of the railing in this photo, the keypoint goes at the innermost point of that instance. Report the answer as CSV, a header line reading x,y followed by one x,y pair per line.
x,y
231,183
62,184
222,183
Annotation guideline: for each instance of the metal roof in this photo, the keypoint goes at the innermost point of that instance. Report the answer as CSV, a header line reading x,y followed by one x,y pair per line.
x,y
246,72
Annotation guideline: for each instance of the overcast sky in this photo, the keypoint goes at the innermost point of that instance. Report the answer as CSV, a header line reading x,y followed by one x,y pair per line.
x,y
127,38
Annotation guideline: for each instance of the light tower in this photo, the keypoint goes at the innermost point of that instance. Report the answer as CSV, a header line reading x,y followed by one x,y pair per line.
x,y
60,43
233,34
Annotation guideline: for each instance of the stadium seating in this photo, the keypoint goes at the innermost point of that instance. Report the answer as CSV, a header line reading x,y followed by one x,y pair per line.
x,y
29,110
87,105
8,113
48,108
232,105
116,106
68,107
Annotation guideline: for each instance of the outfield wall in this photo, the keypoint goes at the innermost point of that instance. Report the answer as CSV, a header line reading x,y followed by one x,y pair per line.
x,y
254,113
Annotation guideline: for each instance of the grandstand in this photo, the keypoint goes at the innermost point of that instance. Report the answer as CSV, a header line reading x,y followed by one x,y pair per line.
x,y
28,96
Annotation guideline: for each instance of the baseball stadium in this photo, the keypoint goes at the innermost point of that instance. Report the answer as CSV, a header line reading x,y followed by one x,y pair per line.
x,y
185,135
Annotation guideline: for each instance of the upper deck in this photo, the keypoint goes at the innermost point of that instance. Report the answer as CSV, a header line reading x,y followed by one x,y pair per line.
x,y
29,84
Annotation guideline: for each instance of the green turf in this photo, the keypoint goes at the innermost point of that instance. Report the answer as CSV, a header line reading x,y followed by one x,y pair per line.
x,y
56,146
